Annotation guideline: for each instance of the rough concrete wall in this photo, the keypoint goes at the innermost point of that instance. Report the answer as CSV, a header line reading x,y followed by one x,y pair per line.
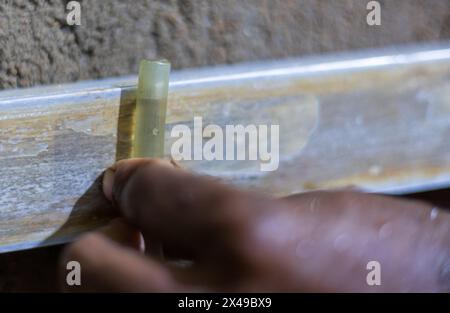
x,y
38,47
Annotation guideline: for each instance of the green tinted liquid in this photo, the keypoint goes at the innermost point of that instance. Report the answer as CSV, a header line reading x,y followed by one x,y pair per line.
x,y
149,128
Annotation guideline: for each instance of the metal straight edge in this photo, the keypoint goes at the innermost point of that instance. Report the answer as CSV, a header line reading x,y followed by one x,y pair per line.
x,y
222,74
377,119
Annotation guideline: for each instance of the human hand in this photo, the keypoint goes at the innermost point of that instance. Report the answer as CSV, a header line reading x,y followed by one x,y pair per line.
x,y
243,241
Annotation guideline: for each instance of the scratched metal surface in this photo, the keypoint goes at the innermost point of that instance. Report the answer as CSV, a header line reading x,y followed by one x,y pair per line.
x,y
379,120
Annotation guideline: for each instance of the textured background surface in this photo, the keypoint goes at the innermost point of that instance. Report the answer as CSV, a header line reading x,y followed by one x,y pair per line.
x,y
37,47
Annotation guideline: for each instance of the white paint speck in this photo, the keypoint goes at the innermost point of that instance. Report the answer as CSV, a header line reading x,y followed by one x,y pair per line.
x,y
312,204
342,243
434,213
385,231
375,170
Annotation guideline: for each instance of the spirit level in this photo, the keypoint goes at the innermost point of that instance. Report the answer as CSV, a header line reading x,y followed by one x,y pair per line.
x,y
377,119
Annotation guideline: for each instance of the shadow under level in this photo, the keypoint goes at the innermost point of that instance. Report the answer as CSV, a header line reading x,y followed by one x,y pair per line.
x,y
92,209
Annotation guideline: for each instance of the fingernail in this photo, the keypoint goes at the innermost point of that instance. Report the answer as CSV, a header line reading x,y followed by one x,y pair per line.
x,y
108,182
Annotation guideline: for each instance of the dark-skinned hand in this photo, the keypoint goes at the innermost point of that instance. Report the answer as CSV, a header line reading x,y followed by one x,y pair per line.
x,y
206,236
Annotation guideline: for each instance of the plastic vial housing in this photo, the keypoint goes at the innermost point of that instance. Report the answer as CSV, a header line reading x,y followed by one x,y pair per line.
x,y
151,106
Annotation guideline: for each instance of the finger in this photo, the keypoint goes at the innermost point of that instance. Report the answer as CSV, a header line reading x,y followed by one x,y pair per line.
x,y
106,266
188,213
127,168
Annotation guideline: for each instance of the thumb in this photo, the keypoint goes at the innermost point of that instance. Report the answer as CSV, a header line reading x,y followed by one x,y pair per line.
x,y
189,213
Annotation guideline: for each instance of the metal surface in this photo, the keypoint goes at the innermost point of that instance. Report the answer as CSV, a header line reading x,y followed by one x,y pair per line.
x,y
379,120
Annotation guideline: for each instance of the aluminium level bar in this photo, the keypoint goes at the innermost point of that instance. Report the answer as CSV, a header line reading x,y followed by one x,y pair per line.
x,y
376,119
